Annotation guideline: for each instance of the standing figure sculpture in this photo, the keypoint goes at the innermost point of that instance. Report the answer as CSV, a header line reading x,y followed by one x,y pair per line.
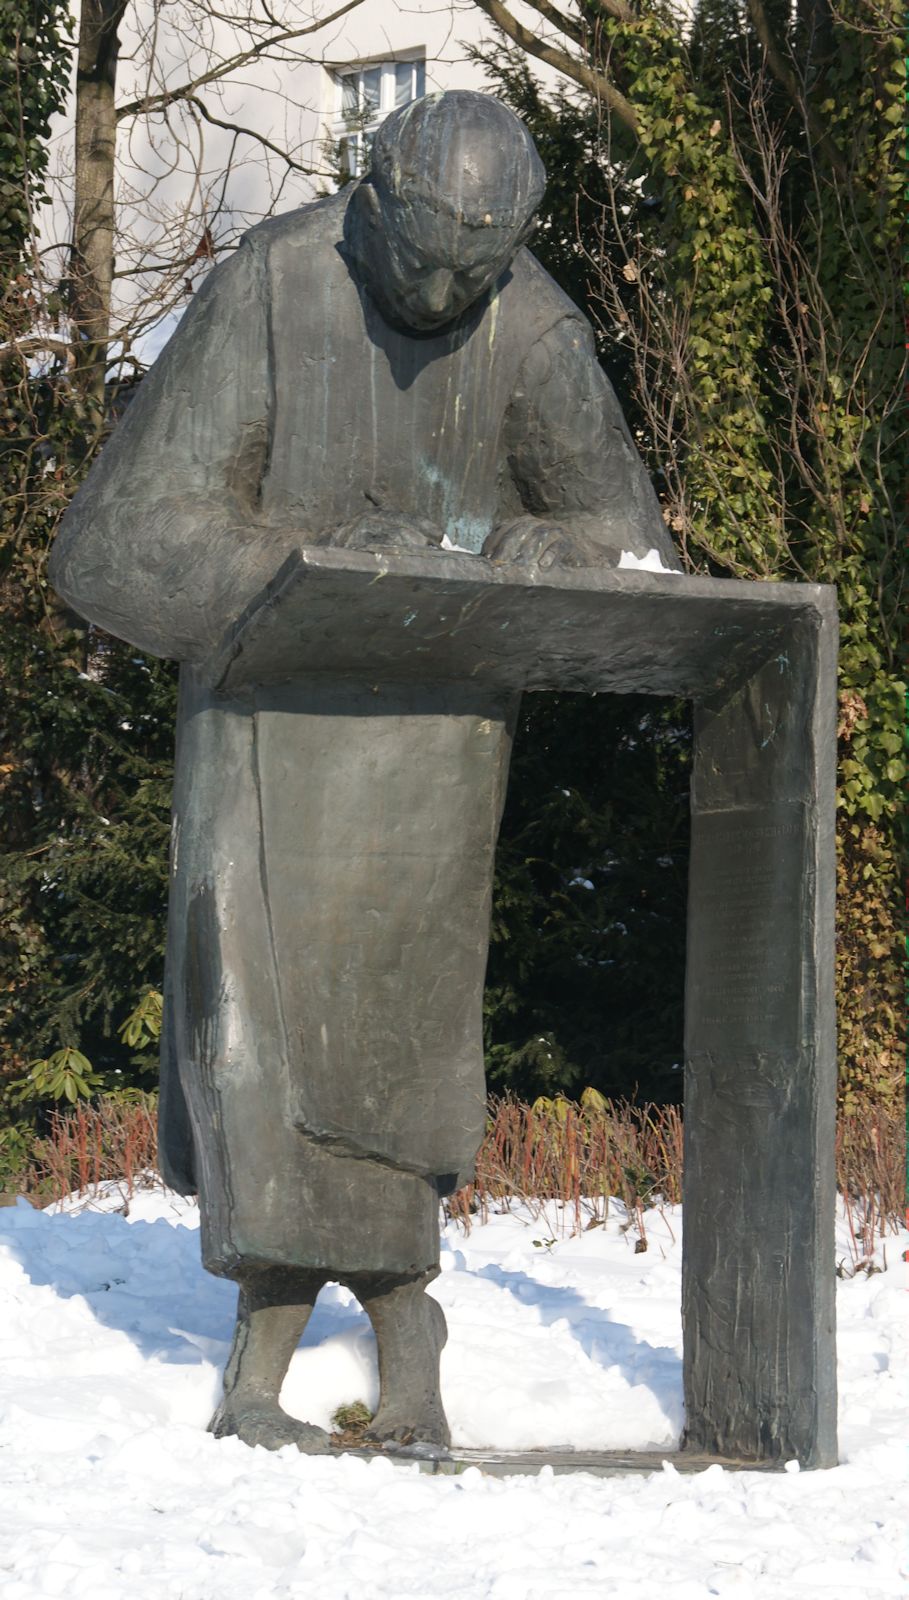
x,y
376,371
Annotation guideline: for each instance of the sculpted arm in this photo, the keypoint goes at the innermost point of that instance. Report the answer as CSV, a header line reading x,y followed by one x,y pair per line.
x,y
163,544
573,463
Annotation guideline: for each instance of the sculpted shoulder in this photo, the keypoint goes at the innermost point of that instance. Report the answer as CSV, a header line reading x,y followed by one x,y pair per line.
x,y
531,284
320,222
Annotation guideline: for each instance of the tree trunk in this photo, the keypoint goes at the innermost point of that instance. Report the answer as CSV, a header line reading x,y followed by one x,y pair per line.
x,y
92,260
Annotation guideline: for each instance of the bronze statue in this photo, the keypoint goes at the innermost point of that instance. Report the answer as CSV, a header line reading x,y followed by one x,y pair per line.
x,y
378,371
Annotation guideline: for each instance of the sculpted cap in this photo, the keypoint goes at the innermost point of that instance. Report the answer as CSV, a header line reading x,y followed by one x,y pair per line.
x,y
463,154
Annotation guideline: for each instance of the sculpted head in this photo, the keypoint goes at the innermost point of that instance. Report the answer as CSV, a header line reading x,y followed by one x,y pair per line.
x,y
454,184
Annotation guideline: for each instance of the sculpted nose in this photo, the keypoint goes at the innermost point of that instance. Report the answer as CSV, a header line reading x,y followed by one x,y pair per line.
x,y
435,291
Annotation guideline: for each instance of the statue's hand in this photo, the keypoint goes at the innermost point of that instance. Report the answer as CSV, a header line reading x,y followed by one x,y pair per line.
x,y
386,530
530,542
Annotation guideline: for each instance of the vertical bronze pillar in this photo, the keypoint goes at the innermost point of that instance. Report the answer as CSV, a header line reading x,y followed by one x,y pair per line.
x,y
758,1260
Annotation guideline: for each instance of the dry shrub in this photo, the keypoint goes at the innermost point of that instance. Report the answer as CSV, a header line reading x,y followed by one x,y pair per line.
x,y
583,1154
107,1141
871,1175
580,1153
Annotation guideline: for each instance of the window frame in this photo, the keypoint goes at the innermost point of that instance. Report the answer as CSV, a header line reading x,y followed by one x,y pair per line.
x,y
352,130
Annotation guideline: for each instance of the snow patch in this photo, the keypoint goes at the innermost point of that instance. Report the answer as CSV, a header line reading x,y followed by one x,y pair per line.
x,y
111,1350
652,562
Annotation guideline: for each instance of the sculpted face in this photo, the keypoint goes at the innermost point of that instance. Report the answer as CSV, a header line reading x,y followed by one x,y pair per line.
x,y
426,270
454,185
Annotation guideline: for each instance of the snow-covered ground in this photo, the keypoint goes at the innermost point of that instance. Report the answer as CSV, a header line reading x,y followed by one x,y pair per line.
x,y
111,1346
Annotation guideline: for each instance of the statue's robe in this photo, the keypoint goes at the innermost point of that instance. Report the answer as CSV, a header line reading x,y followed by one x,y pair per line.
x,y
332,852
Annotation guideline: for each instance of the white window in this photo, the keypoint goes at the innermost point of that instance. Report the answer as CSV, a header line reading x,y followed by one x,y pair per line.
x,y
364,96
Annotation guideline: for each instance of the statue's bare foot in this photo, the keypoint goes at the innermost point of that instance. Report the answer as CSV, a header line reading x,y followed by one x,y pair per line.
x,y
410,1331
427,1437
417,1450
269,1427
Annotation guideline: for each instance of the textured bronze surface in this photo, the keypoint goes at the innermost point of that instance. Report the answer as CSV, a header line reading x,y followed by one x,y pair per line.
x,y
360,380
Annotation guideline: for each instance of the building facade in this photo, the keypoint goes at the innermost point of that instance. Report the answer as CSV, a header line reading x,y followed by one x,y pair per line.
x,y
380,57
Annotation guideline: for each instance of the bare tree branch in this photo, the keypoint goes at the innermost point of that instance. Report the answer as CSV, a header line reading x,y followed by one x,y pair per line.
x,y
157,102
570,26
250,133
32,343
788,81
615,8
578,71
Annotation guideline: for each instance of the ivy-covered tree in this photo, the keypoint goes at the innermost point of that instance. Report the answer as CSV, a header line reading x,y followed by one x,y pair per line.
x,y
34,61
748,297
86,724
85,727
